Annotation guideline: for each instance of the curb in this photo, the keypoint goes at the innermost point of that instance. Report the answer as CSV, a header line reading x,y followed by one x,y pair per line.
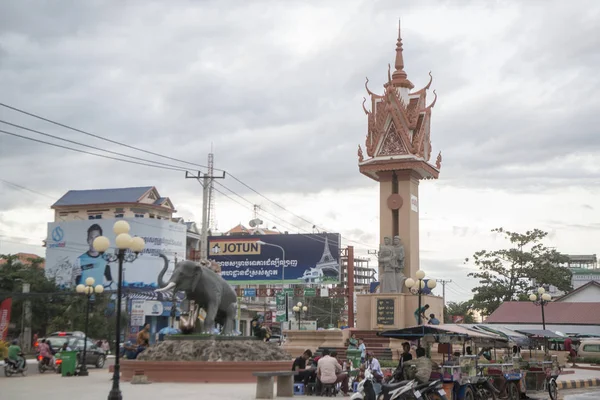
x,y
579,383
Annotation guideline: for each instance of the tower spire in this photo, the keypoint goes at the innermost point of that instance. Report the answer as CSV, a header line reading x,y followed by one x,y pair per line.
x,y
399,77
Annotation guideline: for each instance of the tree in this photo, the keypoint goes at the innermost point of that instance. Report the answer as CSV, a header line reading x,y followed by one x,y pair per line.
x,y
462,308
508,274
325,310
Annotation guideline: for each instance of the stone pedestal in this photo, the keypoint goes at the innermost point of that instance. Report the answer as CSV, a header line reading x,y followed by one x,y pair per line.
x,y
393,311
298,341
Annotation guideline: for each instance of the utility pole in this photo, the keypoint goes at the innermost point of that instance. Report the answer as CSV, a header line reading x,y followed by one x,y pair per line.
x,y
26,321
444,282
206,180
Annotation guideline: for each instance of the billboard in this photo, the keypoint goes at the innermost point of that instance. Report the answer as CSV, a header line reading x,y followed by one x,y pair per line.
x,y
71,259
260,259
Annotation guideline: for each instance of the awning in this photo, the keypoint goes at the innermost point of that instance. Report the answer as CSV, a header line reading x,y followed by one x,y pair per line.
x,y
539,333
446,334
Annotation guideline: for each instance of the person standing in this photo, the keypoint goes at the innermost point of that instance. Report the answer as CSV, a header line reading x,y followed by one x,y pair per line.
x,y
422,312
405,356
363,350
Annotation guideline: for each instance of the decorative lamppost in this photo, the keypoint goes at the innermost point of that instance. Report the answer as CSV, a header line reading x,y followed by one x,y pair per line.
x,y
88,289
125,246
541,300
299,309
282,284
420,284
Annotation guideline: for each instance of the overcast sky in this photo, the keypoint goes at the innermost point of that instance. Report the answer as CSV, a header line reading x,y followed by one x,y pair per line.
x,y
275,87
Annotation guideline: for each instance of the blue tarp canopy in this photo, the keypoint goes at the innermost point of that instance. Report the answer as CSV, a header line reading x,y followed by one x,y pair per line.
x,y
446,334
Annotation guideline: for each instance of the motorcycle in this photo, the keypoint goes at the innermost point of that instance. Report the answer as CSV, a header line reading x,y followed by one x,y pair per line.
x,y
365,389
46,365
10,367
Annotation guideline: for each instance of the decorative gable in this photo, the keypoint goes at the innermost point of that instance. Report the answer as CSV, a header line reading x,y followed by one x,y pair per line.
x,y
392,144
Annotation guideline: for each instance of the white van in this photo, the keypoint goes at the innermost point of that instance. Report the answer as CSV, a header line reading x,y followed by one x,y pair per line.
x,y
589,348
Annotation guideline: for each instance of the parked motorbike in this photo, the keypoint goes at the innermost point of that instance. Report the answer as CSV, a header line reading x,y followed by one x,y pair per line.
x,y
365,389
10,367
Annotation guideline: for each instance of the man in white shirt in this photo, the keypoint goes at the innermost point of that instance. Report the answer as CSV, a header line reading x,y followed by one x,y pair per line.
x,y
329,371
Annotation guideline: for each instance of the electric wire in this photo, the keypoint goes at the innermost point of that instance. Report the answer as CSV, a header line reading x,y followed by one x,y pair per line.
x,y
101,137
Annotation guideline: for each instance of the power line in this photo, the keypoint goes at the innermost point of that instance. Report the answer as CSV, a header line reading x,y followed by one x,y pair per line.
x,y
100,137
88,152
167,166
26,189
89,146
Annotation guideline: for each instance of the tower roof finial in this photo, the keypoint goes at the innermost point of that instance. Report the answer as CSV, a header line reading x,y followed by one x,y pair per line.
x,y
399,77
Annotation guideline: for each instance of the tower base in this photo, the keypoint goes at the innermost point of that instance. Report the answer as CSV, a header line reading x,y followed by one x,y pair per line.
x,y
394,310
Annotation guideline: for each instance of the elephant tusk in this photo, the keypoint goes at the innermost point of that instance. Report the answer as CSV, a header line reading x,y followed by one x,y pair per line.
x,y
169,286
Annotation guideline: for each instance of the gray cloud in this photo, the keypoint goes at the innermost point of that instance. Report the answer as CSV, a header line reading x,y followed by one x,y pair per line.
x,y
280,106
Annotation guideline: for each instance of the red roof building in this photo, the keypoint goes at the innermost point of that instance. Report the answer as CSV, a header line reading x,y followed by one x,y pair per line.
x,y
24,258
526,312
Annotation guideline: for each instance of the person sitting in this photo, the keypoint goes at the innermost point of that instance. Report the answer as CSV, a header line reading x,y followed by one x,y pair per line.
x,y
15,354
485,352
353,342
65,347
45,352
469,351
329,371
305,374
423,365
433,320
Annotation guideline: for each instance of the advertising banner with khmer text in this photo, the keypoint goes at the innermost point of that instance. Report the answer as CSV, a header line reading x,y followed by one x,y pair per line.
x,y
259,259
70,257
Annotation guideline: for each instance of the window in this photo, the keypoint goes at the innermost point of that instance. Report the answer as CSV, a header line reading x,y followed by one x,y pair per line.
x,y
151,216
591,347
95,216
139,215
118,215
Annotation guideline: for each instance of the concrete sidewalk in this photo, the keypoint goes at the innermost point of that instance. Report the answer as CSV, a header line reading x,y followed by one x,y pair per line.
x,y
579,378
97,385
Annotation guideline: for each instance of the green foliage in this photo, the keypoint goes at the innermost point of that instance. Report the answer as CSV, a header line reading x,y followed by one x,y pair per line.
x,y
51,309
510,274
463,308
3,349
325,310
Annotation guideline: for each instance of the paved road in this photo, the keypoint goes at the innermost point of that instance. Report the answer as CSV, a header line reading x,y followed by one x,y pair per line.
x,y
582,394
32,368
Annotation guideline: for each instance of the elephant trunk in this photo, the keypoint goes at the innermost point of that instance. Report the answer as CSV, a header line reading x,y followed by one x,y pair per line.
x,y
161,275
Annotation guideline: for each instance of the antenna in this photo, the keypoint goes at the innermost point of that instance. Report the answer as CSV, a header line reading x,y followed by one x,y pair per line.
x,y
211,191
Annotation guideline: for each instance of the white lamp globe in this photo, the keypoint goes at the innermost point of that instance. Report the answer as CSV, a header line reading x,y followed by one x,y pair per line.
x,y
546,297
99,289
299,304
295,309
101,244
80,288
89,290
541,290
90,281
137,244
431,284
409,282
121,227
305,309
532,297
420,274
422,284
123,241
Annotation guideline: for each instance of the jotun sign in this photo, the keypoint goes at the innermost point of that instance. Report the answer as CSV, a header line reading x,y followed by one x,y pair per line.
x,y
274,259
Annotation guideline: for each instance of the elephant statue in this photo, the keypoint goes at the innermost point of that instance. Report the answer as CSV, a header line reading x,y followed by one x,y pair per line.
x,y
206,289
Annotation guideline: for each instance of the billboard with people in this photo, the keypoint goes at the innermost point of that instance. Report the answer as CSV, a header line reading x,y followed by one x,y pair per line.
x,y
276,259
71,258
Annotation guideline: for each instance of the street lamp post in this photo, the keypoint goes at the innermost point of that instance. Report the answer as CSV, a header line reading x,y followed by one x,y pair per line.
x,y
431,283
299,309
88,289
541,300
282,277
124,242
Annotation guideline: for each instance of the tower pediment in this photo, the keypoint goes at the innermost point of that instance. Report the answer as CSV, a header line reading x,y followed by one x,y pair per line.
x,y
399,121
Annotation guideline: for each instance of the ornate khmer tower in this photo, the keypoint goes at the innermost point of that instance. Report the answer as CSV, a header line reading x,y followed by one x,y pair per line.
x,y
398,154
